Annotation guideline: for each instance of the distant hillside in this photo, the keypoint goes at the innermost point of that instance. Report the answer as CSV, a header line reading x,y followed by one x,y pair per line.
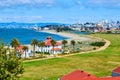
x,y
20,25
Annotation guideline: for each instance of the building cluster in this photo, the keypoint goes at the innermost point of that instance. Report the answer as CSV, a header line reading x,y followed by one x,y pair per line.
x,y
47,48
101,26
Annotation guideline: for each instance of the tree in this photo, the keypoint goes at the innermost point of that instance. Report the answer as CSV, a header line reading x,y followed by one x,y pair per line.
x,y
34,42
41,44
25,48
53,42
64,42
15,43
73,43
11,67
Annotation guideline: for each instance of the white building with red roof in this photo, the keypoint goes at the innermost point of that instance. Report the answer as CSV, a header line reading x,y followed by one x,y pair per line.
x,y
23,53
49,47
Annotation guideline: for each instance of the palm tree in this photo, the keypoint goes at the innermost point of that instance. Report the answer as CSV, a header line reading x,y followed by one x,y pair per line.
x,y
15,43
73,43
41,44
64,42
34,42
53,42
25,48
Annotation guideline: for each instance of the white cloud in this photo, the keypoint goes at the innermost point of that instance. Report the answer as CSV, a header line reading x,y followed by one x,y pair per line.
x,y
105,3
13,3
20,19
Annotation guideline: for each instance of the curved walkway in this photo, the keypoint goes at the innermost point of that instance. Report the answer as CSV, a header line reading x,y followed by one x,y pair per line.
x,y
100,49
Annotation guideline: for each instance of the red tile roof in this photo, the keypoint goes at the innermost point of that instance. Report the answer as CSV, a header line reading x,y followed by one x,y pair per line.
x,y
117,70
55,49
110,78
78,75
107,78
48,43
81,75
20,47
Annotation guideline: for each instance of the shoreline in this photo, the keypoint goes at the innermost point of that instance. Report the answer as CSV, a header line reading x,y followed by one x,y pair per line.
x,y
70,36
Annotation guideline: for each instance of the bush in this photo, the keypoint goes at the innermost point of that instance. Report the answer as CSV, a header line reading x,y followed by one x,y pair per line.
x,y
46,53
94,48
79,42
38,52
99,44
109,32
11,67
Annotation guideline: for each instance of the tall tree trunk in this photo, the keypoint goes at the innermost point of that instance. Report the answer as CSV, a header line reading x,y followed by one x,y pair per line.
x,y
53,49
64,46
25,54
73,47
33,50
42,50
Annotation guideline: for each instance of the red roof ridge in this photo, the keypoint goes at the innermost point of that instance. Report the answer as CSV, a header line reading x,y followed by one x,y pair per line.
x,y
117,70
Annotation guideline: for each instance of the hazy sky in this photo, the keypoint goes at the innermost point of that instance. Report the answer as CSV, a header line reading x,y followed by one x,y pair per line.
x,y
63,11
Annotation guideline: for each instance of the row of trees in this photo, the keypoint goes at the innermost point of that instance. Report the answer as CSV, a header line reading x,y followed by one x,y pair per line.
x,y
64,42
35,43
15,43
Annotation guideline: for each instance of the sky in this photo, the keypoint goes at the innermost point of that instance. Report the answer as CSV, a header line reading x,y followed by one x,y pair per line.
x,y
61,11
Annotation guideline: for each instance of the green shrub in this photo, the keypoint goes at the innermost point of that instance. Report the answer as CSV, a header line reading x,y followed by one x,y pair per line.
x,y
46,53
99,44
94,48
108,32
38,52
79,42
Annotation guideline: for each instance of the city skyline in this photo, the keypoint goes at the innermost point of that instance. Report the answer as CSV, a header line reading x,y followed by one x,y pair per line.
x,y
62,11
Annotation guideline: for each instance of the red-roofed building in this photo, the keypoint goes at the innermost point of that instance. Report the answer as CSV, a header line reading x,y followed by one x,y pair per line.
x,y
49,48
109,78
81,75
77,75
20,50
116,72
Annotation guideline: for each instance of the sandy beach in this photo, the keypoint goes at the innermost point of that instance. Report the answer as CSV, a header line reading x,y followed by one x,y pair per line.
x,y
70,36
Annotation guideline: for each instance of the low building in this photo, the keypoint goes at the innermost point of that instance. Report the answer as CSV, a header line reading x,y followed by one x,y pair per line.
x,y
81,75
23,53
49,48
78,75
116,72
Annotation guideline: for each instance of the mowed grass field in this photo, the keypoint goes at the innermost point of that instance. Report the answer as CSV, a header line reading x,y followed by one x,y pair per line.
x,y
99,63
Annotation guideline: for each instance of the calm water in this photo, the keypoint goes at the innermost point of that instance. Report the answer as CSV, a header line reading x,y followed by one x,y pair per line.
x,y
25,35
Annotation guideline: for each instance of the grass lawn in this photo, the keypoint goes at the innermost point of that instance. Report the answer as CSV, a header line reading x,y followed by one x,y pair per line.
x,y
98,63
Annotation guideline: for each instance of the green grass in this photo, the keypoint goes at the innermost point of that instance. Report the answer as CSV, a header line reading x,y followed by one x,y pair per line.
x,y
98,63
